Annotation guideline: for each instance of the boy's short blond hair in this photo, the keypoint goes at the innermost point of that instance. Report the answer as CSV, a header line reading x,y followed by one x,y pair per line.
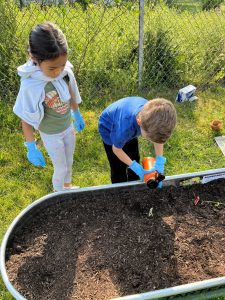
x,y
158,119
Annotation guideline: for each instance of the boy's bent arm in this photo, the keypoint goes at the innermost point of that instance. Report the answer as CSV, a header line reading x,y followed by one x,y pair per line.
x,y
160,159
27,131
122,155
158,149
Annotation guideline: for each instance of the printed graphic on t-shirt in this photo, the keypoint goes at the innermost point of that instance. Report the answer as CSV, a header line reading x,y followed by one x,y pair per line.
x,y
53,101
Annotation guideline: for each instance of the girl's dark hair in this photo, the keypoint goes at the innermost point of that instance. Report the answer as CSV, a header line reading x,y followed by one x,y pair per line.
x,y
46,41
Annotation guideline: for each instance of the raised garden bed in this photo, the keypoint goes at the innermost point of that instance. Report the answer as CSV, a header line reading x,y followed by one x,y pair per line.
x,y
106,243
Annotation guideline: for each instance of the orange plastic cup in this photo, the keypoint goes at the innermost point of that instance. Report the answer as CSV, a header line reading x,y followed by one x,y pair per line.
x,y
147,164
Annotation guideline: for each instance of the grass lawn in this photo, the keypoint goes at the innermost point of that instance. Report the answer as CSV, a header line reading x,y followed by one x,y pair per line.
x,y
191,148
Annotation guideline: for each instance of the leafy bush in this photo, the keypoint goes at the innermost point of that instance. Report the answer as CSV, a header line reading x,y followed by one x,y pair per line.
x,y
170,3
160,60
214,58
211,4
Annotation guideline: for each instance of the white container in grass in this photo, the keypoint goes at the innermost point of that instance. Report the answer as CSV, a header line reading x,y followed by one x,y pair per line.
x,y
186,94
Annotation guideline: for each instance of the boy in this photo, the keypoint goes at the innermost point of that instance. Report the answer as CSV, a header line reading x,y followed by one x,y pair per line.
x,y
122,122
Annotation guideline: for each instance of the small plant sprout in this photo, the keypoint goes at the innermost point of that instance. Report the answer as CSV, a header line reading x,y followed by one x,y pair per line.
x,y
150,214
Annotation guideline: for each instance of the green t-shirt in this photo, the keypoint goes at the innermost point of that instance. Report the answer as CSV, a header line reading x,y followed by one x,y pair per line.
x,y
57,114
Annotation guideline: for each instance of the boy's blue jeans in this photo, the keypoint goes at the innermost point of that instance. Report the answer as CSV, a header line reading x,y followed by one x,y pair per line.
x,y
120,171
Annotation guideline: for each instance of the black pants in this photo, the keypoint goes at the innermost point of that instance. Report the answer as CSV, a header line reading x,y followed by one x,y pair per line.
x,y
119,170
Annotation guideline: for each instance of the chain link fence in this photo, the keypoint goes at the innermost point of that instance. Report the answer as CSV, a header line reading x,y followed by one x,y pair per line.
x,y
118,47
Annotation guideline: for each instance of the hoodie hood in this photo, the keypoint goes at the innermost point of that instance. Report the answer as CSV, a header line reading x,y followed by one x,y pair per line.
x,y
29,69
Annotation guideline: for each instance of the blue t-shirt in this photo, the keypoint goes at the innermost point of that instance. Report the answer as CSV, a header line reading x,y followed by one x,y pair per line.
x,y
117,123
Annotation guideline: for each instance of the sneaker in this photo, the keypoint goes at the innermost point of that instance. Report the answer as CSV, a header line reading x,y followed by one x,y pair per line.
x,y
74,187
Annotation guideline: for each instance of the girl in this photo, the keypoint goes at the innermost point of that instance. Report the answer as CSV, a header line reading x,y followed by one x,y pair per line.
x,y
47,96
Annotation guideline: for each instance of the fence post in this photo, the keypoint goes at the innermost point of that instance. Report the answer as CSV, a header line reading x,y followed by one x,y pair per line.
x,y
141,43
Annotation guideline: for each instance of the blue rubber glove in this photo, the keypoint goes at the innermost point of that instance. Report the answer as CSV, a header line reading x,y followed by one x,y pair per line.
x,y
159,164
78,120
34,155
138,169
159,167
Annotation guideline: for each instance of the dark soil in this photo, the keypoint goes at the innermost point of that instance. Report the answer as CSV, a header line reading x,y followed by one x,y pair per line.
x,y
107,244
